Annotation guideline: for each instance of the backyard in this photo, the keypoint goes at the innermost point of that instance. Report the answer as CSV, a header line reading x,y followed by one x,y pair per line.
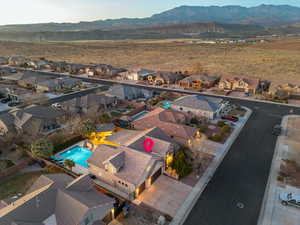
x,y
17,184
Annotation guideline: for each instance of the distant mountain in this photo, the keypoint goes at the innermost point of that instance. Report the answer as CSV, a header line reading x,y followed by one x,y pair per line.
x,y
263,15
190,30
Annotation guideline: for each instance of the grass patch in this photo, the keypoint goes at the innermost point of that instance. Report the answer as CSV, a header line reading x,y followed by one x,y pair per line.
x,y
237,112
17,184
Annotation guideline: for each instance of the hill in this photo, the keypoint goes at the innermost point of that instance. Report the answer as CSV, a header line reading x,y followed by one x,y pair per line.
x,y
191,30
263,15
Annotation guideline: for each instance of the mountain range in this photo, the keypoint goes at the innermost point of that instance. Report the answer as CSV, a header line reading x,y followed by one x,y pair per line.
x,y
183,21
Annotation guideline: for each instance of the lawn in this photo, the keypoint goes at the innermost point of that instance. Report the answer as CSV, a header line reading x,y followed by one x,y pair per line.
x,y
17,184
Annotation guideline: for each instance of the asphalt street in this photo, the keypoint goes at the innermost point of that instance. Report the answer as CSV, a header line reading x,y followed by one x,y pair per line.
x,y
235,193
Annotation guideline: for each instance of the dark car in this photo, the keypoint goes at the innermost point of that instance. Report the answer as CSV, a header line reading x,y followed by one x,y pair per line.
x,y
12,104
6,100
277,129
231,118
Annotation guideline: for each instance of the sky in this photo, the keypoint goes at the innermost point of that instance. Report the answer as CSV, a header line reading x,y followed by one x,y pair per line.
x,y
42,11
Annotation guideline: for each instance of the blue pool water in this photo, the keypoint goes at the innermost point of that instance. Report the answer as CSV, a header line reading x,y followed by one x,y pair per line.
x,y
139,115
78,155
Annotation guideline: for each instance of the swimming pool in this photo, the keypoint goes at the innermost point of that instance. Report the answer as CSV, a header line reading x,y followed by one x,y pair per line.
x,y
139,115
78,155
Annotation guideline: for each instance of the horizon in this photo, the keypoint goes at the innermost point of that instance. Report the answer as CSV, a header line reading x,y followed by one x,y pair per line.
x,y
91,10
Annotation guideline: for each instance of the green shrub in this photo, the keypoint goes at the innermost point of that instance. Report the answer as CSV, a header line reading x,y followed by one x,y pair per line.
x,y
216,138
87,128
225,128
180,165
194,121
221,123
202,128
168,218
42,148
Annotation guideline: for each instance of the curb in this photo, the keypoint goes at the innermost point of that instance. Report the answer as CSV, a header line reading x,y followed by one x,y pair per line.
x,y
196,192
267,201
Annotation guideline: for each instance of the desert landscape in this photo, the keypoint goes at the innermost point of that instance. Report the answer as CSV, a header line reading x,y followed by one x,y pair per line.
x,y
277,60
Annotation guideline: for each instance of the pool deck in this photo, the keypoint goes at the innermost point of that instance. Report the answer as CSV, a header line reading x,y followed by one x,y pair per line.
x,y
78,168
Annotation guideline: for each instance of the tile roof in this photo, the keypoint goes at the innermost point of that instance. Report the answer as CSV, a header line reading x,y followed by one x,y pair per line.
x,y
199,102
135,139
203,77
53,196
156,118
135,162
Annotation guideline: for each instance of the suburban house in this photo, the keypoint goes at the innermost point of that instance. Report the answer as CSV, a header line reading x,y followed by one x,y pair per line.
x,y
199,106
15,94
162,78
17,61
30,79
33,119
91,103
59,84
198,81
239,83
3,61
129,169
125,92
76,68
59,67
137,74
4,71
38,64
289,90
58,199
104,70
171,122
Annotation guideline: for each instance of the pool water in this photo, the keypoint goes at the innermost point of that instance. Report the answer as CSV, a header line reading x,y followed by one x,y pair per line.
x,y
139,115
78,155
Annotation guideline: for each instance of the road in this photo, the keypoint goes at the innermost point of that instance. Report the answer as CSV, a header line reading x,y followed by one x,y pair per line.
x,y
243,174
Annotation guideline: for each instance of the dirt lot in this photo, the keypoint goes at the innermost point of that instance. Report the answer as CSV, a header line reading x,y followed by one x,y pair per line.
x,y
278,60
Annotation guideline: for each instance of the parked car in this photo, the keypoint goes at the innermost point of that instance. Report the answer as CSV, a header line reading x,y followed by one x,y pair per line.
x,y
277,129
56,105
290,199
6,100
12,104
231,118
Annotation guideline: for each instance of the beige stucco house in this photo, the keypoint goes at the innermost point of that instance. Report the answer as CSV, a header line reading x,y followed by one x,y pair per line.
x,y
239,83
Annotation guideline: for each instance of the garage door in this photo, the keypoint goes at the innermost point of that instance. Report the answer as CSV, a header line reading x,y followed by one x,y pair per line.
x,y
156,175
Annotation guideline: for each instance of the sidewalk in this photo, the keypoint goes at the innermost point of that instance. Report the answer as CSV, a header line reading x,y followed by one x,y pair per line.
x,y
272,211
192,198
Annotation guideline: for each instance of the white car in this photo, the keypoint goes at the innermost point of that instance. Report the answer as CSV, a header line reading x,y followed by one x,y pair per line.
x,y
56,105
290,199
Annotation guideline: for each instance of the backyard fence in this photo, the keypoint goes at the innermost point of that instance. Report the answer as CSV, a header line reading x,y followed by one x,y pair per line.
x,y
12,170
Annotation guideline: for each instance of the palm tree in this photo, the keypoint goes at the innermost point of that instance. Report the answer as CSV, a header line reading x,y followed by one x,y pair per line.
x,y
69,163
42,148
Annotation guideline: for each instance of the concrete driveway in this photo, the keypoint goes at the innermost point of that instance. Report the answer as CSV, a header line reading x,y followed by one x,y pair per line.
x,y
165,195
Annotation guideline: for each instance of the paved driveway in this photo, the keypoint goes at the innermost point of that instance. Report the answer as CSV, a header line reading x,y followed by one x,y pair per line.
x,y
165,195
